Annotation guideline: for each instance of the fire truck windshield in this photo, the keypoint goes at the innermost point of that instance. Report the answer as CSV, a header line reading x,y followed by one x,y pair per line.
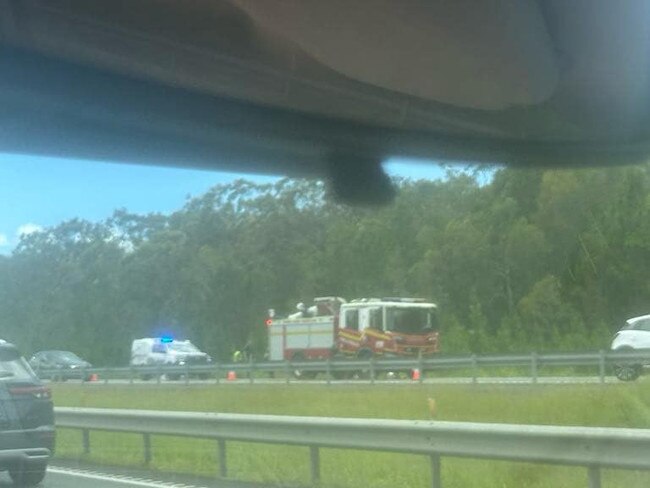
x,y
411,320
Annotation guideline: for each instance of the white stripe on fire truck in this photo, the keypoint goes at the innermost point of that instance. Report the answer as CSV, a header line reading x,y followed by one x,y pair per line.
x,y
303,332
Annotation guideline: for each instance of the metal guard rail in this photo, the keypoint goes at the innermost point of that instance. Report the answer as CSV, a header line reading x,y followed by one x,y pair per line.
x,y
592,448
533,361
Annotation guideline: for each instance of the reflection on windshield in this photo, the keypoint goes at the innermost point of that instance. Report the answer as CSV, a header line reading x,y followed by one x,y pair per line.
x,y
410,320
67,357
183,347
16,369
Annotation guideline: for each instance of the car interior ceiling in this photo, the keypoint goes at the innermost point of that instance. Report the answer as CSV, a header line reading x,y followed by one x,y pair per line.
x,y
326,89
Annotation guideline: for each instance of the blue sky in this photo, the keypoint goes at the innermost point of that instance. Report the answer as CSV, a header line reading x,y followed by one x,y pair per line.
x,y
38,192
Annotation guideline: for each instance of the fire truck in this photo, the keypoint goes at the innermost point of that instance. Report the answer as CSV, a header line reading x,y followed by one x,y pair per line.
x,y
361,328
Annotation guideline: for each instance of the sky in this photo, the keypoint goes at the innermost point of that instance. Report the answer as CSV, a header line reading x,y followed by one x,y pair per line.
x,y
37,192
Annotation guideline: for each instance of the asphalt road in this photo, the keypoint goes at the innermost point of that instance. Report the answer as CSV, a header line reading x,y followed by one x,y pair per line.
x,y
522,380
66,477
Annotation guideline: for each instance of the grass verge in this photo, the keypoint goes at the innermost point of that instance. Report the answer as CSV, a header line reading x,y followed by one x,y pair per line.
x,y
615,405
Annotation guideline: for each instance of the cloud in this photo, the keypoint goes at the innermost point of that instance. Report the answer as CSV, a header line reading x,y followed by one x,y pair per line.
x,y
4,241
29,228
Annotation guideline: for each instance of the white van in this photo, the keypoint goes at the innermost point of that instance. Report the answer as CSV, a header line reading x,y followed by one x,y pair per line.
x,y
166,351
635,334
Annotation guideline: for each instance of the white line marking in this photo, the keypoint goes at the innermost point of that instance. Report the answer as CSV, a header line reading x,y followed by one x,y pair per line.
x,y
93,475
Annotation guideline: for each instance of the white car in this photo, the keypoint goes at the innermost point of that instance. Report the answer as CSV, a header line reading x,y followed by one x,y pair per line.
x,y
635,334
166,351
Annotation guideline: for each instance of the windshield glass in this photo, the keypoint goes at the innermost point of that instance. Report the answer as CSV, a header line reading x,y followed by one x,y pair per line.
x,y
411,320
427,218
16,369
66,357
182,347
477,269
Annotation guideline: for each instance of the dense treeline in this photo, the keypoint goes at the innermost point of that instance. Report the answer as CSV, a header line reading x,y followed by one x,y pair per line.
x,y
534,260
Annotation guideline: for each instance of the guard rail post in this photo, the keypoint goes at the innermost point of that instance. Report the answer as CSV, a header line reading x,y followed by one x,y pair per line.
x,y
533,367
85,440
372,370
601,365
328,370
594,477
613,448
131,374
474,369
187,374
83,376
435,471
146,441
106,376
223,467
217,373
420,367
314,455
287,370
251,369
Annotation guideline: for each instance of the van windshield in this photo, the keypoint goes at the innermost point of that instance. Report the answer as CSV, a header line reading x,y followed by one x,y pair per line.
x,y
183,347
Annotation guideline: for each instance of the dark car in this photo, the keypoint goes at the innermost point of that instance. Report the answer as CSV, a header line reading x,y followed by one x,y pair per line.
x,y
26,419
60,366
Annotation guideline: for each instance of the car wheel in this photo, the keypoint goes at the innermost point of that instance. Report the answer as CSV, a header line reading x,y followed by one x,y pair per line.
x,y
28,474
364,355
627,372
341,375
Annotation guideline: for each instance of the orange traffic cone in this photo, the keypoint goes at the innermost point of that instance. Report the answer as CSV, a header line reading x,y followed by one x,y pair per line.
x,y
94,377
415,375
231,376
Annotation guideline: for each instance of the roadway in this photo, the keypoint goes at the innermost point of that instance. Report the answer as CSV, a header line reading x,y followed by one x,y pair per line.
x,y
67,477
495,380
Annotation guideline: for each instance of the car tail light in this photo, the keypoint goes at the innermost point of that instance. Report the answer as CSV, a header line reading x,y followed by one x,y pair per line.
x,y
40,392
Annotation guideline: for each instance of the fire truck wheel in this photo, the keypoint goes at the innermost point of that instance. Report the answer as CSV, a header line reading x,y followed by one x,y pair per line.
x,y
299,373
364,355
342,375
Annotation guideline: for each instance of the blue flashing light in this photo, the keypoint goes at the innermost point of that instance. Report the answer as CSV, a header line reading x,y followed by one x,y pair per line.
x,y
166,340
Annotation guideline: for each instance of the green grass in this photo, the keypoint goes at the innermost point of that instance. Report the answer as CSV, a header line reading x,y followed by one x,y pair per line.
x,y
616,405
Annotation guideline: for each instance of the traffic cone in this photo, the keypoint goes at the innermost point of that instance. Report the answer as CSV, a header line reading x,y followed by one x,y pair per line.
x,y
415,375
231,376
94,377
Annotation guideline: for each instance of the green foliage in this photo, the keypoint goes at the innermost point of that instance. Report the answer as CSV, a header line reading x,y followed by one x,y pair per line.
x,y
534,260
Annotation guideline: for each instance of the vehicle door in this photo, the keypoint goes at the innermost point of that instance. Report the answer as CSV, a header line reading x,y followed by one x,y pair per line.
x,y
45,362
158,353
36,361
350,332
373,328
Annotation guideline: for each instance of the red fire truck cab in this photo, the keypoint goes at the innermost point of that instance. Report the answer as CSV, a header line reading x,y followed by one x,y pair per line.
x,y
360,328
